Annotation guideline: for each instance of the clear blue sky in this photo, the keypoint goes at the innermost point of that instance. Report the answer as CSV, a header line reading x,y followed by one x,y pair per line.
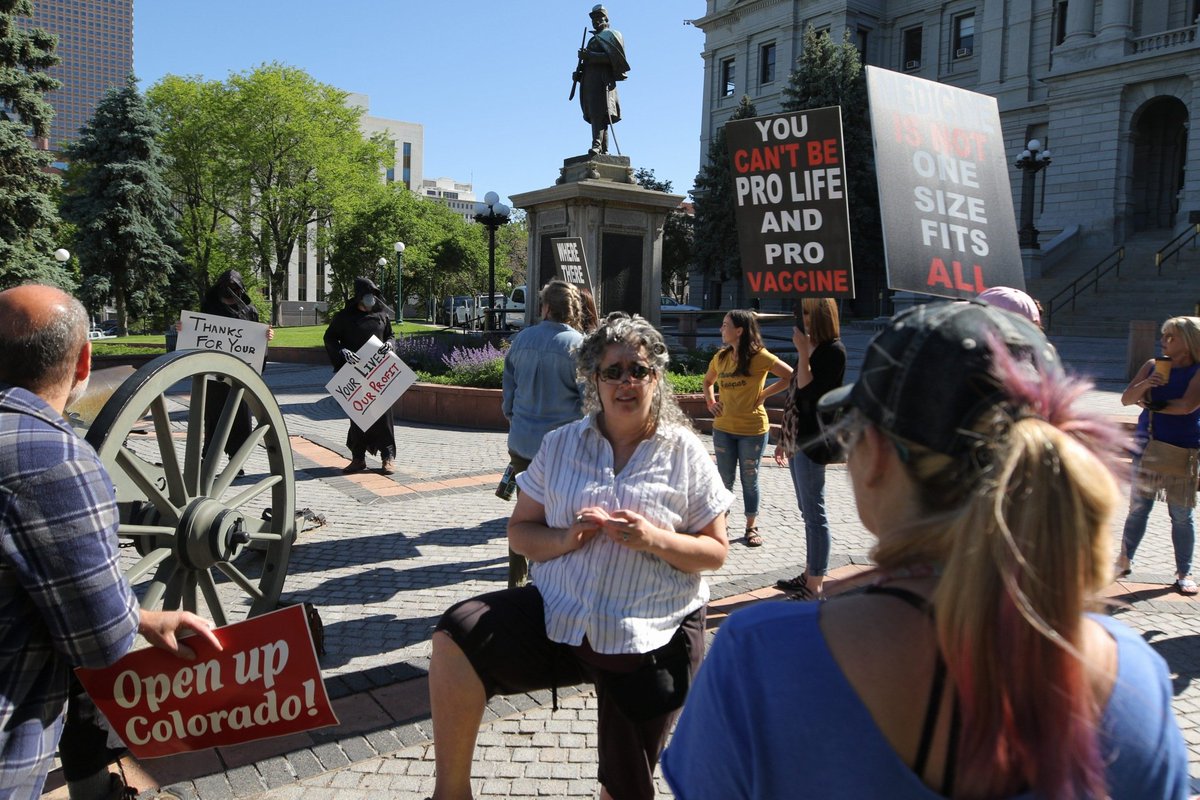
x,y
488,81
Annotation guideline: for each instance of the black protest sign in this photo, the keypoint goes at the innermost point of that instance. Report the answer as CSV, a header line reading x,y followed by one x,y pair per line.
x,y
789,183
948,223
570,262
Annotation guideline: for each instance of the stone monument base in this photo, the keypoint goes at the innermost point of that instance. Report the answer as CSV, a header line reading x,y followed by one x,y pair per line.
x,y
596,167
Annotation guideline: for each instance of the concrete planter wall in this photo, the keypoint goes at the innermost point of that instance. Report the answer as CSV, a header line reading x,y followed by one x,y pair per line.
x,y
464,406
459,406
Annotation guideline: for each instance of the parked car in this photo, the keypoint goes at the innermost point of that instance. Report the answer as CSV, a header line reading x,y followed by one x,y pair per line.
x,y
457,310
96,333
482,306
668,303
514,308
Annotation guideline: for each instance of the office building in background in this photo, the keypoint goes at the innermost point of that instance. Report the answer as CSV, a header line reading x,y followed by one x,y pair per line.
x,y
95,48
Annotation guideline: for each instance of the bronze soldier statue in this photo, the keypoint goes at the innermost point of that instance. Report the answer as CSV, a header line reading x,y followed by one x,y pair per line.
x,y
601,64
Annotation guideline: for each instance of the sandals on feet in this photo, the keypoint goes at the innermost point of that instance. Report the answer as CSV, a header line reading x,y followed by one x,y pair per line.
x,y
1122,567
1187,586
752,537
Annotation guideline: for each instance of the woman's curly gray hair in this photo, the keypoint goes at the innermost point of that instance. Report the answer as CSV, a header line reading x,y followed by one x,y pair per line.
x,y
636,332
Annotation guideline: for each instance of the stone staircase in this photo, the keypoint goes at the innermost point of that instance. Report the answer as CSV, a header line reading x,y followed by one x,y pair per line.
x,y
1139,293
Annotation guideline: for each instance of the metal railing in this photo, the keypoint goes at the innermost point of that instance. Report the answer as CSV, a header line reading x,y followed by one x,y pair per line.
x,y
1186,236
1089,279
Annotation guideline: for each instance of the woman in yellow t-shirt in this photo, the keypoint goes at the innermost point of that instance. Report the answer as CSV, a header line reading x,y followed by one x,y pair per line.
x,y
740,425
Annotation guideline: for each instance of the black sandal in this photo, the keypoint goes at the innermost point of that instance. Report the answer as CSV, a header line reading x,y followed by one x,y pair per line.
x,y
752,537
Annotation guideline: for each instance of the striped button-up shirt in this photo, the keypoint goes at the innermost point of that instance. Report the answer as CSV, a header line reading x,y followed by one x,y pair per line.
x,y
624,601
63,601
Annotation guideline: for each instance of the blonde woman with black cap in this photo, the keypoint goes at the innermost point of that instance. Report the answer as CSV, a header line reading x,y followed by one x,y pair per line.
x,y
970,667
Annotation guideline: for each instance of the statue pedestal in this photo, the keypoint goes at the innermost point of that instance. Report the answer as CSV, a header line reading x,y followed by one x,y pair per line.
x,y
615,169
620,224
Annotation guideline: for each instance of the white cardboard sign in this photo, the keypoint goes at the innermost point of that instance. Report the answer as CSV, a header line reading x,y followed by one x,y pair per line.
x,y
366,390
237,337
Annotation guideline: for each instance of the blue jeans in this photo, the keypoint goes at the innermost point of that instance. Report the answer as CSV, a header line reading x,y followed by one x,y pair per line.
x,y
744,451
1183,531
808,478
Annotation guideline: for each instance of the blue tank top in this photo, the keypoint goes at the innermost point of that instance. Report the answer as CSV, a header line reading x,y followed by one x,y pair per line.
x,y
1181,430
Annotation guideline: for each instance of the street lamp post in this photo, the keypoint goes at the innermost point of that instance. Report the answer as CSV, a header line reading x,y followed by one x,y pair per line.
x,y
1031,161
399,247
379,267
492,213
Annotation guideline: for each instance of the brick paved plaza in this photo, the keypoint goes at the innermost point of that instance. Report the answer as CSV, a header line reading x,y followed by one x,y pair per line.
x,y
397,550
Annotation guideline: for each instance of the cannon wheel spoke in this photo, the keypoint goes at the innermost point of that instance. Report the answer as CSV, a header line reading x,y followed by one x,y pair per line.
x,y
175,509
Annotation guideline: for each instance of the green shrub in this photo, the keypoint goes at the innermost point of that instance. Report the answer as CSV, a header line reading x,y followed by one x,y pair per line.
x,y
685,384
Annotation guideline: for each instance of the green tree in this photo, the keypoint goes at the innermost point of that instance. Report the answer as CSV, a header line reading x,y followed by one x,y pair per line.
x,y
829,74
265,158
29,222
296,148
119,203
715,240
677,235
199,177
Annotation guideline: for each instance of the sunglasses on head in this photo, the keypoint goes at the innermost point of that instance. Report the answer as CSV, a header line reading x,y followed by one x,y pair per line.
x,y
638,373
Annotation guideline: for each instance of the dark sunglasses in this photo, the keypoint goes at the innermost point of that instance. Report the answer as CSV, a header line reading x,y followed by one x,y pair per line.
x,y
638,373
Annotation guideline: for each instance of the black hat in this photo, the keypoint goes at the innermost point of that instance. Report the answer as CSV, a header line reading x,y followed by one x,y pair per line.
x,y
232,278
927,378
364,287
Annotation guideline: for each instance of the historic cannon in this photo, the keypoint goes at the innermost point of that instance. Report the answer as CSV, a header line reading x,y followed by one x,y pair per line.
x,y
209,541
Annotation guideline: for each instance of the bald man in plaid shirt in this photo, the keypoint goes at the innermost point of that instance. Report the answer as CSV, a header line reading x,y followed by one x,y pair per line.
x,y
63,601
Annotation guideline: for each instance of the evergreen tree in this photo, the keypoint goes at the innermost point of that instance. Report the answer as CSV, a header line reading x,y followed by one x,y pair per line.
x,y
120,204
715,243
29,222
829,74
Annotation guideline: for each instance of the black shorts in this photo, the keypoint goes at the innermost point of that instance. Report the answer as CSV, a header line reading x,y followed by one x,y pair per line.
x,y
503,635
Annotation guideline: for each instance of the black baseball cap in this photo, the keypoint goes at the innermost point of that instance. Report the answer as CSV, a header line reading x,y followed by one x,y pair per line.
x,y
927,377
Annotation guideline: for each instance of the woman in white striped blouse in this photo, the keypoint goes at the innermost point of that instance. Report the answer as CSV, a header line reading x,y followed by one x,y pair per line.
x,y
619,513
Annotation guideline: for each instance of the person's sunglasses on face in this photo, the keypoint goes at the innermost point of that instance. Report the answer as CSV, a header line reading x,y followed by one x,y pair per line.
x,y
615,373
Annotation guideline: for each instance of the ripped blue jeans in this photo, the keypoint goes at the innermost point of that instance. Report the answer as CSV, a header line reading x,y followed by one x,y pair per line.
x,y
740,454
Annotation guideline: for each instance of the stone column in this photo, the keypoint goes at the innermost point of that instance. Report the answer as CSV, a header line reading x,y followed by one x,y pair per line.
x,y
1116,18
1080,16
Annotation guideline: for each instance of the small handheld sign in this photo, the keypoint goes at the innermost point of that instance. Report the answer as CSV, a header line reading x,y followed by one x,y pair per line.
x,y
264,682
570,262
237,337
792,215
944,196
366,390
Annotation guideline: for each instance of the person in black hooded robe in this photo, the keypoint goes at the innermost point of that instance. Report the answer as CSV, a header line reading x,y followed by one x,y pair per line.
x,y
228,298
366,316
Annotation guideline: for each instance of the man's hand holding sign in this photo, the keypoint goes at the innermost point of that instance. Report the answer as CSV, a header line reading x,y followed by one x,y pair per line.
x,y
252,680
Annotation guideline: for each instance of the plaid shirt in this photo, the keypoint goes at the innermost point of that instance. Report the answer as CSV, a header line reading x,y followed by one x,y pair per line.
x,y
63,601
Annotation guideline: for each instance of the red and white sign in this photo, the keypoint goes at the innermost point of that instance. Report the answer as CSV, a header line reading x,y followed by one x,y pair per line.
x,y
366,390
266,682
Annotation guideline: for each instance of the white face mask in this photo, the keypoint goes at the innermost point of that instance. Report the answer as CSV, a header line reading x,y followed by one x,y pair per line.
x,y
368,301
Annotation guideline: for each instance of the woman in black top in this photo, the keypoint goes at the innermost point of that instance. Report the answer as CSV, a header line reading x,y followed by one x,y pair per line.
x,y
227,298
820,367
366,316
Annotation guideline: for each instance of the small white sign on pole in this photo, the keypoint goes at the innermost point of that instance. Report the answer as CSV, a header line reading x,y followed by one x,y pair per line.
x,y
237,337
366,390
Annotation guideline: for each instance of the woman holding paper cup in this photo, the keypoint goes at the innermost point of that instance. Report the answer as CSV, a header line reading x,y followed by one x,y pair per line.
x,y
228,298
1168,390
363,317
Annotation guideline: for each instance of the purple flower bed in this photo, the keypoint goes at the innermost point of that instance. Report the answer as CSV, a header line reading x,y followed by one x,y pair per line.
x,y
422,352
472,357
